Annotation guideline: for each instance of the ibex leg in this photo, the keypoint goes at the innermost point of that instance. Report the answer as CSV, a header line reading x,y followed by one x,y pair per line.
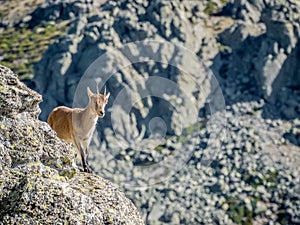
x,y
83,155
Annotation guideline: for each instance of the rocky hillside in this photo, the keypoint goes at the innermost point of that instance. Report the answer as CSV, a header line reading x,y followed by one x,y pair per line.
x,y
38,181
202,126
249,46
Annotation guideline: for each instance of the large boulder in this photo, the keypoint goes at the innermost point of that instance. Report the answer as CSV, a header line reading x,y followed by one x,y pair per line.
x,y
261,63
39,182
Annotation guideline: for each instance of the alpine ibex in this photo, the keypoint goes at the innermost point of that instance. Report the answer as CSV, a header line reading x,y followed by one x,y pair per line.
x,y
76,125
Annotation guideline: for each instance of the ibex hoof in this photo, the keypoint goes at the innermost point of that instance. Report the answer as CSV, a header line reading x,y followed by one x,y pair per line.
x,y
87,169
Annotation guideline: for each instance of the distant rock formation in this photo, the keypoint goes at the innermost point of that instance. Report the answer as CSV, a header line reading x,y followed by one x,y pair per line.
x,y
250,46
38,181
264,42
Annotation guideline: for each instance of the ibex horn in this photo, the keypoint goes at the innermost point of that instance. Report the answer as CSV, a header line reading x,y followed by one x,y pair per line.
x,y
104,91
97,88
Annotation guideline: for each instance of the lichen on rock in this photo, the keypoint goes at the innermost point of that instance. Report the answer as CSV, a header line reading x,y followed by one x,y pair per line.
x,y
39,183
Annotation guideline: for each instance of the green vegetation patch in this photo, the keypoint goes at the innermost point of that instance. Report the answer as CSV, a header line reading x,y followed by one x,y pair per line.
x,y
194,128
211,8
240,213
21,48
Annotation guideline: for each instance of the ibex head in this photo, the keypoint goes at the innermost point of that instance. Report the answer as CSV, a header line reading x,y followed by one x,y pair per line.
x,y
97,102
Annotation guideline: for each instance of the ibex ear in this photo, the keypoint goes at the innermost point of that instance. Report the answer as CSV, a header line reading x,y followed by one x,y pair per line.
x,y
107,95
89,92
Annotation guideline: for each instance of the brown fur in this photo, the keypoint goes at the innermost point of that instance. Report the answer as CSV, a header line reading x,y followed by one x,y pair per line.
x,y
60,120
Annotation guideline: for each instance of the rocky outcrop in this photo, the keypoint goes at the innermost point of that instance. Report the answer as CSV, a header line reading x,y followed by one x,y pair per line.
x,y
61,10
264,44
39,182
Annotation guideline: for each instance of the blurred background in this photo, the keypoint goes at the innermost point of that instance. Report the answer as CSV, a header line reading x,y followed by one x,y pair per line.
x,y
202,126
